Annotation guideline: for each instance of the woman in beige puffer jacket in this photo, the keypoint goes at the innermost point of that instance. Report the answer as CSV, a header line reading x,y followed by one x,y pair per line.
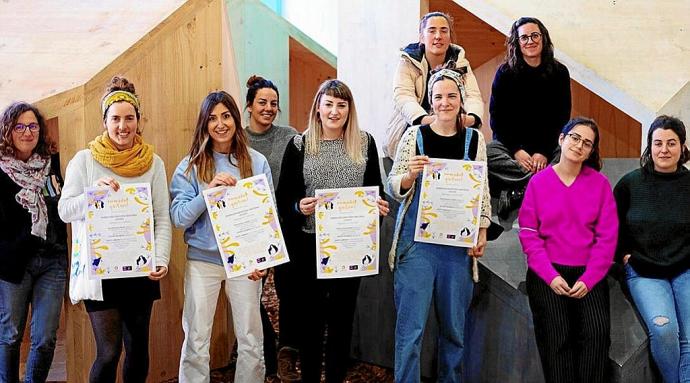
x,y
433,51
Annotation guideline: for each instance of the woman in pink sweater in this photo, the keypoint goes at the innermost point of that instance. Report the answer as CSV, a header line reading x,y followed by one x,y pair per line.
x,y
568,231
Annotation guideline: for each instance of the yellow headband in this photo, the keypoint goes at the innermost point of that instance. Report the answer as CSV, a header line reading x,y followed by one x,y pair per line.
x,y
119,95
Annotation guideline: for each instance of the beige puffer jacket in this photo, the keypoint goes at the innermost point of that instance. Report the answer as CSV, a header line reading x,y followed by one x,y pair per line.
x,y
408,90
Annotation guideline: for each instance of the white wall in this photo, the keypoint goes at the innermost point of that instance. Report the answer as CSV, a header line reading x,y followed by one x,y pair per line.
x,y
317,19
370,34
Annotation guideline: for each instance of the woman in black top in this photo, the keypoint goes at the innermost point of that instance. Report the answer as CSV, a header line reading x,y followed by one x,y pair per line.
x,y
530,103
654,244
33,246
332,153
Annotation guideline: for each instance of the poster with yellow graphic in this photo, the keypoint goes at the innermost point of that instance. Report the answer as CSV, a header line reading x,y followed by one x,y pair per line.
x,y
450,202
347,232
246,226
119,229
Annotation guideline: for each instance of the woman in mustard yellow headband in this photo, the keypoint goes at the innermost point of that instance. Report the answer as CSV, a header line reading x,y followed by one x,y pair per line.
x,y
118,308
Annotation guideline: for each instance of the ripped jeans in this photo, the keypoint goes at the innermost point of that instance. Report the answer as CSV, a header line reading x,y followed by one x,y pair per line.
x,y
664,305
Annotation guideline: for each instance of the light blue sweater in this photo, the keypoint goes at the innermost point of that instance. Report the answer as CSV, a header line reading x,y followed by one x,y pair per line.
x,y
188,209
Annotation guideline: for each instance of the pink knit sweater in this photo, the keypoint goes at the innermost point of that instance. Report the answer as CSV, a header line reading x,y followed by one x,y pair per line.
x,y
574,225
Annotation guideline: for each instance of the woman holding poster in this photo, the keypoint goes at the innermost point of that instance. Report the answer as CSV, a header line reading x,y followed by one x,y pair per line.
x,y
118,308
219,156
423,271
332,153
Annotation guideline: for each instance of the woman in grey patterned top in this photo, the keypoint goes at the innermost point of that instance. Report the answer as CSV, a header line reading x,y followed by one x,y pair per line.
x,y
332,153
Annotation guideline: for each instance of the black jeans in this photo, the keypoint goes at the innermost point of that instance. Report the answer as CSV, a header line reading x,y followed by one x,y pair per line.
x,y
573,335
505,173
315,310
328,305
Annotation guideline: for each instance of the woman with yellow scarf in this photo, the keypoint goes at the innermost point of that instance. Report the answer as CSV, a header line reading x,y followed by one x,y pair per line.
x,y
119,309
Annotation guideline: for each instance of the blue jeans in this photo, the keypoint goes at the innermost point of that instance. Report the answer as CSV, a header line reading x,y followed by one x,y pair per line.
x,y
424,272
43,287
664,305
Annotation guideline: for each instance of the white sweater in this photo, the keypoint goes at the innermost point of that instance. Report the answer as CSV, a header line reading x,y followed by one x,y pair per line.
x,y
83,171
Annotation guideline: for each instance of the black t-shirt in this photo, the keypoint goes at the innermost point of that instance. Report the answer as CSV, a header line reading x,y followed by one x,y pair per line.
x,y
452,147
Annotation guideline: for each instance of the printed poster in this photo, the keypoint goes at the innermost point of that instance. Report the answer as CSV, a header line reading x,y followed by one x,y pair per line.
x,y
450,202
119,229
246,226
347,232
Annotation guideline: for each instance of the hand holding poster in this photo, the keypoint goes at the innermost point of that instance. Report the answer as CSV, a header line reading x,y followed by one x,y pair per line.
x,y
450,203
246,226
119,228
347,232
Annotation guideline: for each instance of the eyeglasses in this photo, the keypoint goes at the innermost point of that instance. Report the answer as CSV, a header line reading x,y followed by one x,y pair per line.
x,y
33,127
534,36
577,139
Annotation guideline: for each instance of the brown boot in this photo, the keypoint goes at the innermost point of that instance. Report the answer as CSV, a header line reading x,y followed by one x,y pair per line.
x,y
287,365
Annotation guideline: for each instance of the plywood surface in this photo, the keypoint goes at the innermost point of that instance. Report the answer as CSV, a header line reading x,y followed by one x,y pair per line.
x,y
173,68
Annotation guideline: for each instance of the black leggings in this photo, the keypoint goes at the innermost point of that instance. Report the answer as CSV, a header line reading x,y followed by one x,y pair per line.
x,y
110,328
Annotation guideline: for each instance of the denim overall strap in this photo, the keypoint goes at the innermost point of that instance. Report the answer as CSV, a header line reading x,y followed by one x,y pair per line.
x,y
468,139
407,228
420,141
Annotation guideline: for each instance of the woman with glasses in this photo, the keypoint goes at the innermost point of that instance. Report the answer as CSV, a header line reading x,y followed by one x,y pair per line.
x,y
568,231
434,50
654,244
530,102
33,243
119,309
424,271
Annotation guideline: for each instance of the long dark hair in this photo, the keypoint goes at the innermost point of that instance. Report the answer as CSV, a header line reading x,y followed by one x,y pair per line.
x,y
201,151
594,159
665,122
9,119
514,58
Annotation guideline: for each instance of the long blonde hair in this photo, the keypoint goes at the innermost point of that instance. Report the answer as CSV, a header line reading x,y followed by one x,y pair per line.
x,y
352,136
201,152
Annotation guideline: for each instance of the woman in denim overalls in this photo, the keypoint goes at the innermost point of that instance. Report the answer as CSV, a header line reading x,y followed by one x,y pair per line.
x,y
423,270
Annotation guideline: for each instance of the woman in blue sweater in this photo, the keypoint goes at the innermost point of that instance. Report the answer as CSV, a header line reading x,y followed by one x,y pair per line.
x,y
219,156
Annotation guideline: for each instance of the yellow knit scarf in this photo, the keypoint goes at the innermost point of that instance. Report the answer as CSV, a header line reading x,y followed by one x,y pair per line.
x,y
131,162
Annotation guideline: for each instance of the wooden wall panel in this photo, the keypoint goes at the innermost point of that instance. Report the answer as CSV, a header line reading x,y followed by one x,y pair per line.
x,y
173,68
485,77
481,41
307,72
620,133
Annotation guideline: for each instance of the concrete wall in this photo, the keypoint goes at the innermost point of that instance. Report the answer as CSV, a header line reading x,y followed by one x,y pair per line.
x,y
318,20
633,54
370,35
678,105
